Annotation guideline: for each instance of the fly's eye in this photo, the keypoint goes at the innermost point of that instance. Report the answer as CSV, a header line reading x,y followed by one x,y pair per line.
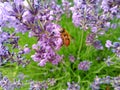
x,y
52,33
65,35
67,39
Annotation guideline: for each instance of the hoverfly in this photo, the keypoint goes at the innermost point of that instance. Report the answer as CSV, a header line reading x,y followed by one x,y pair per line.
x,y
65,37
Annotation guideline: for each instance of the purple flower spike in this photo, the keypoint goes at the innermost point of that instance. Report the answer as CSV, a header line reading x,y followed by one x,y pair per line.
x,y
108,43
26,50
84,65
48,44
73,86
116,48
72,58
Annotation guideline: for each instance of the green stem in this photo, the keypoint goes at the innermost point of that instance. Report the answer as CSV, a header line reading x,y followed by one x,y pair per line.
x,y
100,68
79,79
77,76
69,69
30,5
81,40
61,78
88,50
85,82
42,2
41,25
16,70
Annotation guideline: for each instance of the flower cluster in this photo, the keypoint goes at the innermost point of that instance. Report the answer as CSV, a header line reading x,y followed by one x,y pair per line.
x,y
24,16
114,81
42,85
111,8
6,84
73,86
72,58
90,40
48,11
95,15
8,44
115,46
84,65
86,14
18,83
37,86
66,7
47,46
36,18
4,52
108,61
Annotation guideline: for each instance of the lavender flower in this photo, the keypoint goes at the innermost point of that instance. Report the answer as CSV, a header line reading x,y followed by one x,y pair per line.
x,y
98,81
51,81
49,11
108,44
110,7
109,61
85,14
26,50
114,81
96,84
97,44
5,83
24,18
90,39
117,88
95,15
73,86
4,8
35,86
8,43
84,65
37,18
47,46
106,80
116,48
66,7
17,84
114,26
72,58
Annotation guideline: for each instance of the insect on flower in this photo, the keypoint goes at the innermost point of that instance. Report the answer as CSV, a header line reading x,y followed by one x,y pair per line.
x,y
65,37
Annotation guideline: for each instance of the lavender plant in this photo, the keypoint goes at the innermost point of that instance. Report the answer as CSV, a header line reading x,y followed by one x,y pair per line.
x,y
42,20
66,7
95,15
7,84
85,65
8,44
37,18
114,47
73,86
113,81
